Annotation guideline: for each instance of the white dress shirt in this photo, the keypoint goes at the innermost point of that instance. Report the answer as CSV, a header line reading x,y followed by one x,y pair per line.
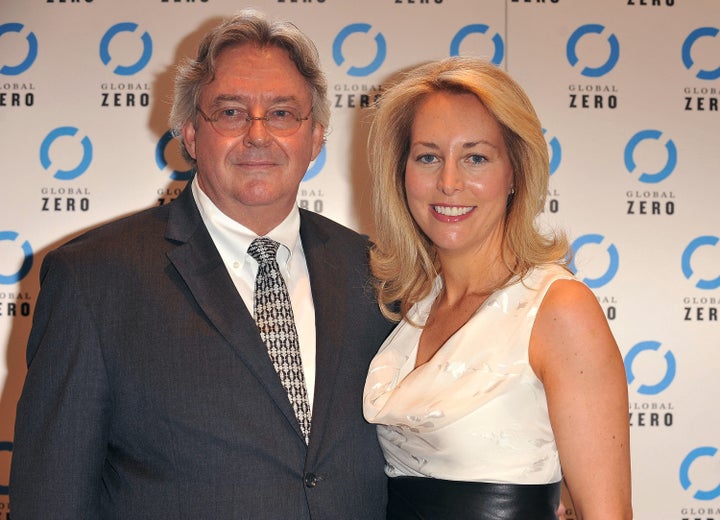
x,y
232,240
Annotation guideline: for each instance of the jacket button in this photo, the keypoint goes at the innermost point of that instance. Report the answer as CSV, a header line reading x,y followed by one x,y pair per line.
x,y
310,480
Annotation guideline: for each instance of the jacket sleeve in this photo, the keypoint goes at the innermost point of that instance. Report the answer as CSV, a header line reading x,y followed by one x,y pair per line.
x,y
63,412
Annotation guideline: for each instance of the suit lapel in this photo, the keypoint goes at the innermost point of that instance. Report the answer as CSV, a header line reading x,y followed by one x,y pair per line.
x,y
199,264
327,279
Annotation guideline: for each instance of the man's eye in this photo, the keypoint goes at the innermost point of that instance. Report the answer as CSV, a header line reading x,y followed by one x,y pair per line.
x,y
281,114
231,113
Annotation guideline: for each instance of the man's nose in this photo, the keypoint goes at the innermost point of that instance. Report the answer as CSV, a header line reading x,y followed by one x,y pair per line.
x,y
257,133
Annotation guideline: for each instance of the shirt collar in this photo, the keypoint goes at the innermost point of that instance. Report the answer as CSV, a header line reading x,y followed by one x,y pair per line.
x,y
236,238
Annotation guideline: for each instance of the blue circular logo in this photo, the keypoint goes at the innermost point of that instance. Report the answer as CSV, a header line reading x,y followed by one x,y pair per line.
x,y
686,261
693,37
665,171
317,165
66,175
176,175
667,377
555,152
126,70
613,263
689,460
13,278
14,70
380,49
479,28
613,57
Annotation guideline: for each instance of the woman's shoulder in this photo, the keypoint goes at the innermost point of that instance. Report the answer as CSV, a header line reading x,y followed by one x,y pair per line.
x,y
570,325
550,272
538,280
567,302
563,291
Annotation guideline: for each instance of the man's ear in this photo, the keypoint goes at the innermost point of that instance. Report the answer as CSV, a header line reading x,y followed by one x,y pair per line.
x,y
318,139
188,133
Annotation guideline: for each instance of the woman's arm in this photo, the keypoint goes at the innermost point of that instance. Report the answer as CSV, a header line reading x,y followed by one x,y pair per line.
x,y
573,352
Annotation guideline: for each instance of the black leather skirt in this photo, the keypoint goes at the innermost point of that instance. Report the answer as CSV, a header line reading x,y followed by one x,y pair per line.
x,y
416,498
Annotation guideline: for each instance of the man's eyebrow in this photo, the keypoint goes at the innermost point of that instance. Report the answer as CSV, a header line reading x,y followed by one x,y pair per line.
x,y
237,98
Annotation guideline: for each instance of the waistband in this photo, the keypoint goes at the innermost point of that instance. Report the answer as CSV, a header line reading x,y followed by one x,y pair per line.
x,y
418,498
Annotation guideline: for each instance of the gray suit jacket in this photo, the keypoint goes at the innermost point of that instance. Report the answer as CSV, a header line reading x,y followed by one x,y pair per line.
x,y
150,394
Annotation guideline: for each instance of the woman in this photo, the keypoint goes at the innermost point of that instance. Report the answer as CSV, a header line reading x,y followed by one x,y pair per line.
x,y
502,377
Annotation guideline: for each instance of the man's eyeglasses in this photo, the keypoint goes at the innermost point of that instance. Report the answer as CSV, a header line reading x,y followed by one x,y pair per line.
x,y
232,121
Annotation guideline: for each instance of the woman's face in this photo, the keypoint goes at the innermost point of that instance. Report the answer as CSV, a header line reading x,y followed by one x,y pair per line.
x,y
458,174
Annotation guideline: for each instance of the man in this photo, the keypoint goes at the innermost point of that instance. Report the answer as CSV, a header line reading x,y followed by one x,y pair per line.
x,y
150,391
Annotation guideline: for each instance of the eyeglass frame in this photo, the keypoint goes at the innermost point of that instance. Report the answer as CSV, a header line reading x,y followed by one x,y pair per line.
x,y
249,119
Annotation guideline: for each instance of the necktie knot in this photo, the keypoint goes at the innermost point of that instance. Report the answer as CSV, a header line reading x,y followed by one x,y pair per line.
x,y
263,250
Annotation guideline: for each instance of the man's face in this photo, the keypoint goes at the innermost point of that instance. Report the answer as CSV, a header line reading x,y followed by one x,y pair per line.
x,y
253,177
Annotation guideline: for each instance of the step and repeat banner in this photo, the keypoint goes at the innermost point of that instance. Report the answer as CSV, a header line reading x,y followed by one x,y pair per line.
x,y
628,92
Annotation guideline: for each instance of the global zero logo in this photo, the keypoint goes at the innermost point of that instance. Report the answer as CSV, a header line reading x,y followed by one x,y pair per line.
x,y
572,54
687,51
687,257
83,164
694,458
161,161
32,51
670,163
380,49
647,347
462,34
613,262
143,60
25,266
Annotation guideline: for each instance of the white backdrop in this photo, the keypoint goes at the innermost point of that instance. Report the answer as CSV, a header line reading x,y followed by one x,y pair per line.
x,y
628,93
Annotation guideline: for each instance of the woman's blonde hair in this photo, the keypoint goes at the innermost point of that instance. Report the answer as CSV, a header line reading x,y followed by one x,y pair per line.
x,y
403,260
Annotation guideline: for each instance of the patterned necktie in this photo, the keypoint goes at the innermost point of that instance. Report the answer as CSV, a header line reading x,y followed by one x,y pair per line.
x,y
274,318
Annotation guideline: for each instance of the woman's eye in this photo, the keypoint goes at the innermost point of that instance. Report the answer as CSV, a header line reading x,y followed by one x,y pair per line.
x,y
426,158
477,159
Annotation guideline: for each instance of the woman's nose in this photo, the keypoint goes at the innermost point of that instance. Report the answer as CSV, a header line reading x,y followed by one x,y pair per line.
x,y
450,180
